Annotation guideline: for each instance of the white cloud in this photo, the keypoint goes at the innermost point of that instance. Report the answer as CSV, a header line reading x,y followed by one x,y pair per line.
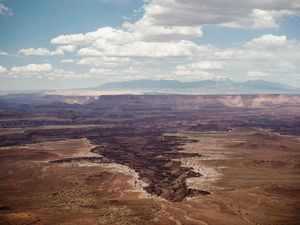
x,y
89,52
3,70
202,65
56,52
67,48
67,61
4,10
184,59
115,58
137,39
269,40
269,56
31,69
44,71
255,14
3,53
146,31
161,44
34,51
256,74
39,52
63,74
105,33
104,61
160,34
102,47
140,31
259,19
101,71
202,70
148,49
107,73
268,18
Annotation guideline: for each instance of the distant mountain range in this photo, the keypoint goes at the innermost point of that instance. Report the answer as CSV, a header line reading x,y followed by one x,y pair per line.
x,y
225,86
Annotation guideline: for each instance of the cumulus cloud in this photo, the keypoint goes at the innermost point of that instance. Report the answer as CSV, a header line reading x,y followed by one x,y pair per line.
x,y
89,52
202,70
269,40
34,51
113,42
31,69
202,65
67,48
183,59
160,34
3,70
272,57
161,44
3,53
67,61
63,74
4,10
39,52
147,49
107,33
256,14
104,61
256,74
259,19
140,49
45,70
145,30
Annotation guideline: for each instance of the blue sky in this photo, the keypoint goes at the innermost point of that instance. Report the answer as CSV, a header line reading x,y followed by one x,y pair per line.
x,y
53,44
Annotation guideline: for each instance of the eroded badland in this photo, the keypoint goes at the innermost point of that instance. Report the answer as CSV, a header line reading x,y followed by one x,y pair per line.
x,y
150,159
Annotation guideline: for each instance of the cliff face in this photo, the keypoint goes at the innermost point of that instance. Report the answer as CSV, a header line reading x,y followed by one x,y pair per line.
x,y
147,102
130,129
192,102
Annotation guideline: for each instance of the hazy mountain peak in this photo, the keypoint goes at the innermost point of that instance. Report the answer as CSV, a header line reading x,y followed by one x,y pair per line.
x,y
204,86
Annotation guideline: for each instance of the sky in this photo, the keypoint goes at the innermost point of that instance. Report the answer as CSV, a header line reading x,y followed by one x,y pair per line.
x,y
61,44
